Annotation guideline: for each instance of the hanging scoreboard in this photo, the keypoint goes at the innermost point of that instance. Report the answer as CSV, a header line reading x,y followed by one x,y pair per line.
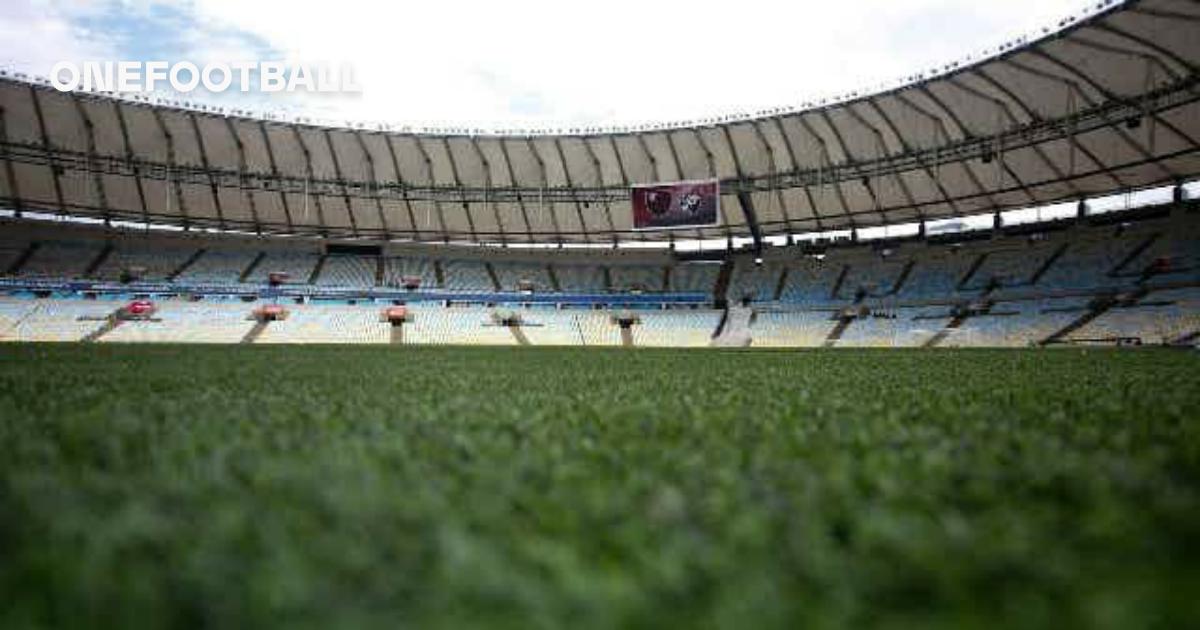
x,y
686,204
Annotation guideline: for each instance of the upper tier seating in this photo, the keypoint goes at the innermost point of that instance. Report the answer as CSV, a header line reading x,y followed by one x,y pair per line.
x,y
1088,260
694,278
217,266
61,259
938,272
157,261
811,281
580,278
511,274
873,274
627,277
298,266
10,252
348,271
1011,265
466,275
756,282
395,270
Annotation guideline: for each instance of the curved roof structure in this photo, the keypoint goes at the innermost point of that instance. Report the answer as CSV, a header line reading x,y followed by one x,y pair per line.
x,y
1098,104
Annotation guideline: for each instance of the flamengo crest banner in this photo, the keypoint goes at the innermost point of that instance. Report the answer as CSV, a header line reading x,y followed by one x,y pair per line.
x,y
694,203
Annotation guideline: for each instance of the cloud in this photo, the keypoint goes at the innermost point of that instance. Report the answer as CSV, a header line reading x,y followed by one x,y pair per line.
x,y
554,63
34,36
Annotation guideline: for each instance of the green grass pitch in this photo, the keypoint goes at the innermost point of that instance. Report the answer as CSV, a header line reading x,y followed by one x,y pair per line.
x,y
321,487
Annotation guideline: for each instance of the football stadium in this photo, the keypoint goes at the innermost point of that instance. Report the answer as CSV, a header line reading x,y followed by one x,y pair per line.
x,y
921,355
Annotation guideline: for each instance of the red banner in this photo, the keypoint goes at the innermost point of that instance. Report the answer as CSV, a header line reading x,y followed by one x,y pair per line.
x,y
676,205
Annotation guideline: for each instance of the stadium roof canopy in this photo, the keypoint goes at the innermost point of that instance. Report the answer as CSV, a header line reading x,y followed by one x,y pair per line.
x,y
1095,104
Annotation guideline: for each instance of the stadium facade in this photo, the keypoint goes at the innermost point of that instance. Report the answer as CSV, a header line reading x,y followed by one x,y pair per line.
x,y
984,202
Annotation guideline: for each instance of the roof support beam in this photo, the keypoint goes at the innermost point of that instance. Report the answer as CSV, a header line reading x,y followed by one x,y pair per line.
x,y
848,156
97,179
337,172
935,175
747,204
173,187
966,134
212,181
1035,117
512,179
323,227
612,143
54,169
241,156
1120,32
369,162
745,199
612,228
1004,108
487,179
824,164
1152,60
14,187
795,167
458,184
136,170
562,158
412,217
732,189
543,184
287,211
1072,85
1109,96
883,151
437,205
772,171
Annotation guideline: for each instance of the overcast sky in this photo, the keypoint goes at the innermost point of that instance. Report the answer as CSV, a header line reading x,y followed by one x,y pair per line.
x,y
522,63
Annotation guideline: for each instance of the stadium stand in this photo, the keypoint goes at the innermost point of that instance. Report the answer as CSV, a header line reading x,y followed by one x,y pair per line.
x,y
1027,288
628,277
467,276
55,319
61,259
181,321
552,327
680,329
348,271
575,278
156,261
698,278
512,274
912,243
397,269
459,325
329,324
298,266
791,329
217,266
